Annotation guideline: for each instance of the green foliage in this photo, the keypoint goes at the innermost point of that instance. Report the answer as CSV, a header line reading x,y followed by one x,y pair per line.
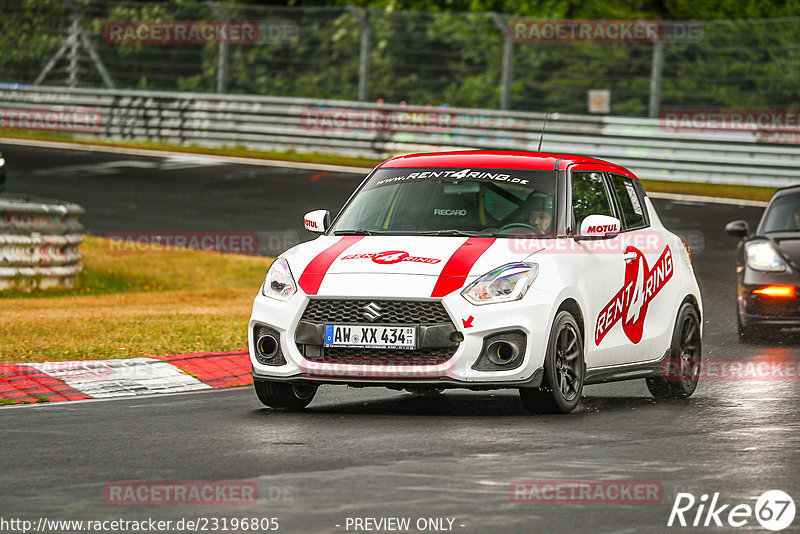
x,y
448,53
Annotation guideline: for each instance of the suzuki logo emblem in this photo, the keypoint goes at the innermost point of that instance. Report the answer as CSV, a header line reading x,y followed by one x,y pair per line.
x,y
371,311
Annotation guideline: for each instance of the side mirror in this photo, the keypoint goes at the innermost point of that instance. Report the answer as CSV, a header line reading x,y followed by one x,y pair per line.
x,y
317,221
737,229
599,227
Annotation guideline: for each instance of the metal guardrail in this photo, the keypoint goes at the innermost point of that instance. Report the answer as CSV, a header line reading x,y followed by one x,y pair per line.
x,y
39,242
646,146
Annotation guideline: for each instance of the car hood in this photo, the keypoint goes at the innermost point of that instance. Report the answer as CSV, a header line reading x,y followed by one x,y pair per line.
x,y
789,245
402,266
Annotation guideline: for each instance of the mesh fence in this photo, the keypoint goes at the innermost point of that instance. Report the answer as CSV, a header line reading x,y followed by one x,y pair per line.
x,y
418,58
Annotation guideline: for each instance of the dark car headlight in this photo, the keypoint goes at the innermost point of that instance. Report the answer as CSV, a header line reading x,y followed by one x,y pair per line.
x,y
762,256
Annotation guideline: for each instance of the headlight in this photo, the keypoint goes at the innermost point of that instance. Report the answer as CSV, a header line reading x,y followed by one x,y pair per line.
x,y
504,284
279,283
762,256
2,162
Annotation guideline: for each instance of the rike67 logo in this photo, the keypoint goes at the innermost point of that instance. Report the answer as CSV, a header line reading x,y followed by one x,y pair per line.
x,y
630,303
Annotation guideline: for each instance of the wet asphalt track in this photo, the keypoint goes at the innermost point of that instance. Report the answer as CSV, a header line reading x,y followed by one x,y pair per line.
x,y
375,453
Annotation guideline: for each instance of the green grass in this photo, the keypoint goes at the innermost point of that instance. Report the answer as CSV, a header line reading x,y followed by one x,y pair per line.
x,y
151,303
742,192
234,151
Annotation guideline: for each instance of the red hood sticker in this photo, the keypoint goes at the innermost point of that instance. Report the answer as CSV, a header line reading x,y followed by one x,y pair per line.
x,y
457,268
390,257
630,303
316,269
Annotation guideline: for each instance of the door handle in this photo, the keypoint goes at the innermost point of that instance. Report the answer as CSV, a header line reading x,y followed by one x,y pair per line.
x,y
630,256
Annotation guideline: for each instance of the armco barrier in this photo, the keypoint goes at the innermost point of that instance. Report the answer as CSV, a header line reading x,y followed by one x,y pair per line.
x,y
647,146
39,242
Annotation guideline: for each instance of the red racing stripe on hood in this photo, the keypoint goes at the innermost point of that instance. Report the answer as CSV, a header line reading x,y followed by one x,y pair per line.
x,y
459,265
317,268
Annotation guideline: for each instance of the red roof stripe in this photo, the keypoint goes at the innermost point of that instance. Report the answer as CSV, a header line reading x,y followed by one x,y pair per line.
x,y
503,159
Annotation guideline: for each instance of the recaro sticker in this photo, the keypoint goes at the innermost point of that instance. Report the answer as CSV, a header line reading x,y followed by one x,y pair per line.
x,y
630,303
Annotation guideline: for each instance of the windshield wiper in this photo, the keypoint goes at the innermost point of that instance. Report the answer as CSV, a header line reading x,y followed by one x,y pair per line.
x,y
358,231
457,233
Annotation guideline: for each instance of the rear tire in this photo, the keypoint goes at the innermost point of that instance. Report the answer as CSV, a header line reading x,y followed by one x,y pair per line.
x,y
564,370
284,395
681,374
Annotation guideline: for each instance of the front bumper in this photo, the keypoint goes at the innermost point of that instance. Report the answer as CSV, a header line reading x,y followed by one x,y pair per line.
x,y
531,316
755,310
759,309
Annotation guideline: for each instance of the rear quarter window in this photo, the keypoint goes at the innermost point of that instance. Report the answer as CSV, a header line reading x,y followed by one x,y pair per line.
x,y
630,203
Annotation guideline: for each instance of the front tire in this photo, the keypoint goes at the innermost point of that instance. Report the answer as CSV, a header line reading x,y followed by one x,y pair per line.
x,y
564,370
747,334
682,373
284,395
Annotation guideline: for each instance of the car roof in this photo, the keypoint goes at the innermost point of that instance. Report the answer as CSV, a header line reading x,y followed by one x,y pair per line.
x,y
504,159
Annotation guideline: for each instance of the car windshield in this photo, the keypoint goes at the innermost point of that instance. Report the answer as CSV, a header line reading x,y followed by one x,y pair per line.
x,y
783,214
441,201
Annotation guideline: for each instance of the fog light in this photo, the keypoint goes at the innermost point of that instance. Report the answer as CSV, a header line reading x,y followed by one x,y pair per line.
x,y
267,346
501,352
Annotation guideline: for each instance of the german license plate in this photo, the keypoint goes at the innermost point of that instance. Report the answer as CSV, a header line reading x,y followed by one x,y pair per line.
x,y
371,337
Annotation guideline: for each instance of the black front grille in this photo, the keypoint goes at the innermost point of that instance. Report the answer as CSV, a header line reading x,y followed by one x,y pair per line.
x,y
354,356
327,311
406,312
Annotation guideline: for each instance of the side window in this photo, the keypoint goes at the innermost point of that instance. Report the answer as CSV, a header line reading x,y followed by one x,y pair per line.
x,y
630,205
588,196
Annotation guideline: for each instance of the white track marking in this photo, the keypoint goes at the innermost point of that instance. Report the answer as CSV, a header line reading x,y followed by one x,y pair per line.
x,y
117,378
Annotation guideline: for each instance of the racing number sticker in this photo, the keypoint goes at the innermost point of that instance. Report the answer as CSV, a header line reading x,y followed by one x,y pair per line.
x,y
630,303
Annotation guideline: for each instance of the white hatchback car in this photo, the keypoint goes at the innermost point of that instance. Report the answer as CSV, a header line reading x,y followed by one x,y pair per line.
x,y
482,270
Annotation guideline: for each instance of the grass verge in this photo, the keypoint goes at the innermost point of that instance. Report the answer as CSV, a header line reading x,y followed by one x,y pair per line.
x,y
740,192
132,305
234,151
743,192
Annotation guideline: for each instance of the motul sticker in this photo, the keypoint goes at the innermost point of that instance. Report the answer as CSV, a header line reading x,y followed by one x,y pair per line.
x,y
390,256
630,304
